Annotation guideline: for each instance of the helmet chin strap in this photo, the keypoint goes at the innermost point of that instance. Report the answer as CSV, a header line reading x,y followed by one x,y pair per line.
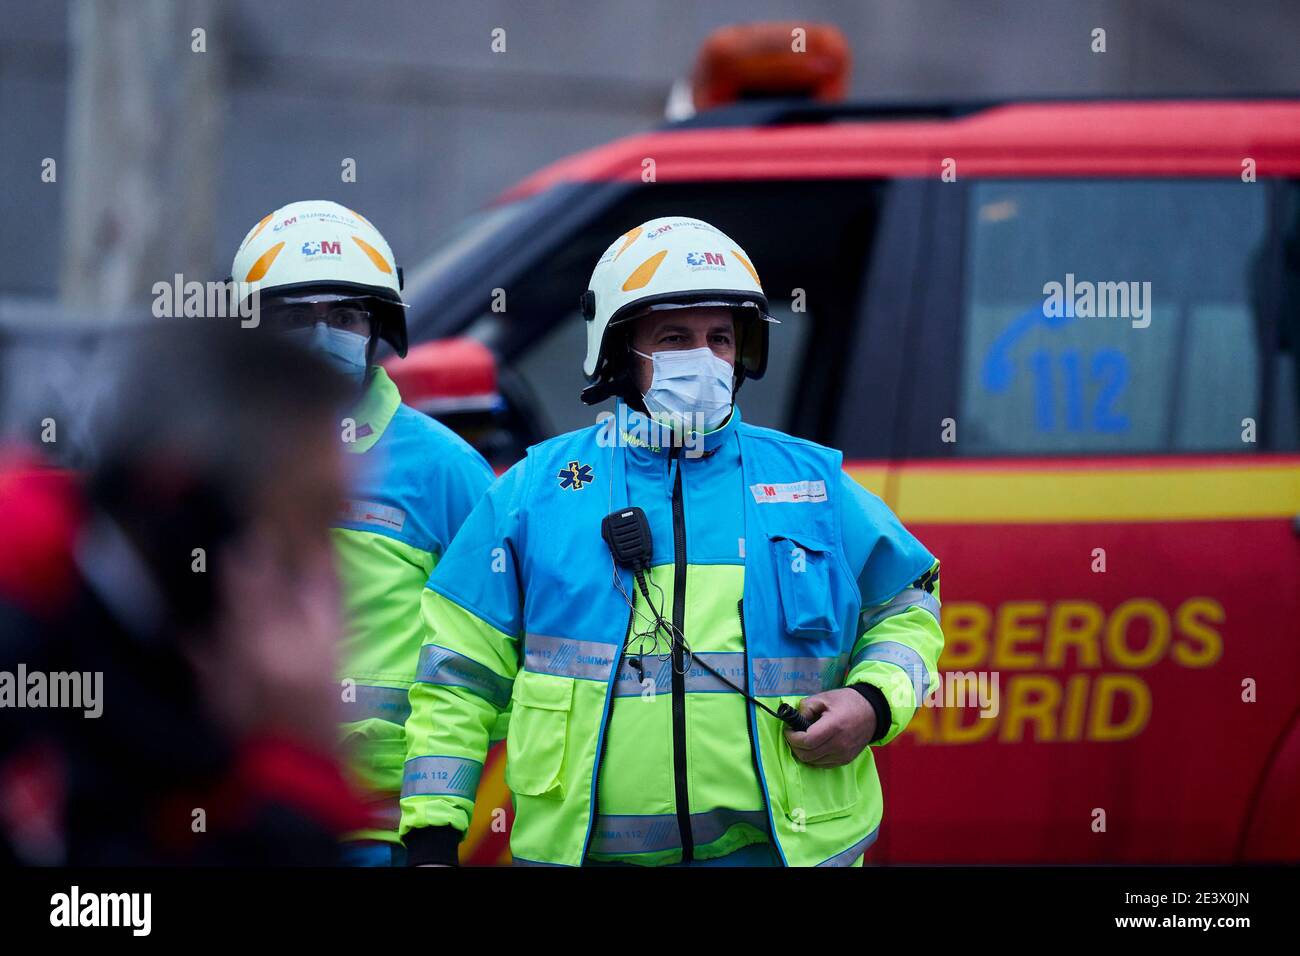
x,y
615,384
598,391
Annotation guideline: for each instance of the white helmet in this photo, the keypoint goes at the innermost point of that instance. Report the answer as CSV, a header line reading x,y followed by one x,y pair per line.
x,y
670,262
320,246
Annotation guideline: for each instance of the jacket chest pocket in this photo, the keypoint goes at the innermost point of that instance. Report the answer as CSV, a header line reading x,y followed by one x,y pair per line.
x,y
539,730
804,581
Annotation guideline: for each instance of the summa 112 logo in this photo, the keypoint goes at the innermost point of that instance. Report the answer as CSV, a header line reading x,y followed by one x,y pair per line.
x,y
705,260
322,248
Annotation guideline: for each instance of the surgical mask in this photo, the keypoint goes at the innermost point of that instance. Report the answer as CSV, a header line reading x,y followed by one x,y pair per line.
x,y
689,382
345,351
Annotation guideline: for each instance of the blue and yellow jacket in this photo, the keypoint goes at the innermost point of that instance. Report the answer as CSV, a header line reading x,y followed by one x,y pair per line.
x,y
415,483
780,572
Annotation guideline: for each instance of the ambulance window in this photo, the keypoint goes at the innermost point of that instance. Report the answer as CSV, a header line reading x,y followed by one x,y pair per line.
x,y
1284,410
552,368
767,402
1104,316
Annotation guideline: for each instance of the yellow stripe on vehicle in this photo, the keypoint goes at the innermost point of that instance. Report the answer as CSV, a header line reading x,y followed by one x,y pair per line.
x,y
966,494
492,794
871,477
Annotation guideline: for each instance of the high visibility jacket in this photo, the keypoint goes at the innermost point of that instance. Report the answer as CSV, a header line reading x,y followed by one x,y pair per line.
x,y
780,572
414,483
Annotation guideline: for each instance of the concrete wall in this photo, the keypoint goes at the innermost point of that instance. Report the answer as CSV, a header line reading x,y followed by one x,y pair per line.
x,y
438,123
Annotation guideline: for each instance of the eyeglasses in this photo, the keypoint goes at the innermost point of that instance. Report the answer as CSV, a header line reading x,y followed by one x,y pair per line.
x,y
298,315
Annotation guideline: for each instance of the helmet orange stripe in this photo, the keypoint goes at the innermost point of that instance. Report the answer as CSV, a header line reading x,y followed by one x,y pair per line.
x,y
643,273
375,255
745,262
263,262
628,238
260,226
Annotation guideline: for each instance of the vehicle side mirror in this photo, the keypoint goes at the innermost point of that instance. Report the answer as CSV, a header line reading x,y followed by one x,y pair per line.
x,y
456,381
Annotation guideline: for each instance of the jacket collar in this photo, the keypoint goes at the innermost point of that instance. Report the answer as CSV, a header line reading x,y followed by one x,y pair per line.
x,y
644,436
373,410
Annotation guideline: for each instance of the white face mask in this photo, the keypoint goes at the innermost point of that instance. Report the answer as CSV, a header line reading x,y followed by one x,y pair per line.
x,y
344,350
689,383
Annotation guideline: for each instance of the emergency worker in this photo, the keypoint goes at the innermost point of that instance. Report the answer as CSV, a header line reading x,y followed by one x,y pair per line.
x,y
702,627
327,279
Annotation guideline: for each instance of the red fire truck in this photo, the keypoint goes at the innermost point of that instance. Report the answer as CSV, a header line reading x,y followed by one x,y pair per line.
x,y
1060,340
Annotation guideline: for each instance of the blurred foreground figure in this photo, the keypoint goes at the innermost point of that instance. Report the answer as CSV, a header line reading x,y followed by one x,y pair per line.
x,y
191,596
328,282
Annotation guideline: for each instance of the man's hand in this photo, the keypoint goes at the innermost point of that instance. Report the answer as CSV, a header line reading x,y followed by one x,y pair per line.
x,y
843,723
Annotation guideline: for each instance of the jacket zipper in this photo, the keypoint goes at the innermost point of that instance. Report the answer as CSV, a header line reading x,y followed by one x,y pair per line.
x,y
749,724
679,678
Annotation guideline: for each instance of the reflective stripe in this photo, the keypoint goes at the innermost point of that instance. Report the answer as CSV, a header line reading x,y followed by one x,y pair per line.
x,y
646,833
565,657
850,856
441,776
730,665
892,652
791,676
445,668
910,597
380,703
372,512
520,861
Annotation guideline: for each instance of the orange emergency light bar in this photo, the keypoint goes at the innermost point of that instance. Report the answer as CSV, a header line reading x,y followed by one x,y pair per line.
x,y
771,60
